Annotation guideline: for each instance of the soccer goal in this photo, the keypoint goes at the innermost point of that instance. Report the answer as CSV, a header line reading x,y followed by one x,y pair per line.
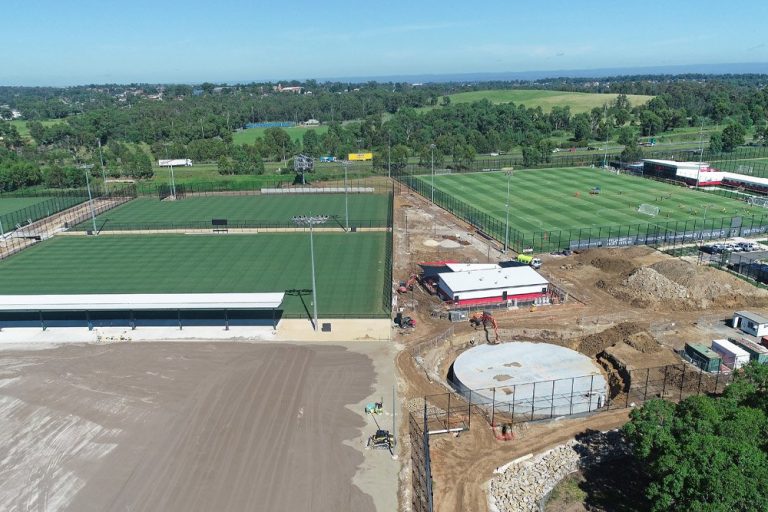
x,y
648,209
758,201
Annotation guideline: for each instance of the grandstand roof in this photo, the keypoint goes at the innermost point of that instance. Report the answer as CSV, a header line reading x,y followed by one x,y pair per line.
x,y
140,301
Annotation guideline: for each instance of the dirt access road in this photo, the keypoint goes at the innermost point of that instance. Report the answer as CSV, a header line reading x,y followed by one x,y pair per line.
x,y
191,426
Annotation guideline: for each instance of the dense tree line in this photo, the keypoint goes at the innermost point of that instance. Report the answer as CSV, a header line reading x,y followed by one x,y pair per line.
x,y
707,453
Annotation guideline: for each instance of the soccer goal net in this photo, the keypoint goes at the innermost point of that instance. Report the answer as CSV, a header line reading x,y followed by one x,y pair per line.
x,y
758,201
648,209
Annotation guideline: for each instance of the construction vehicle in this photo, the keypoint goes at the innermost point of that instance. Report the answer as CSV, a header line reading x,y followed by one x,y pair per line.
x,y
374,408
382,439
529,260
485,318
405,322
407,286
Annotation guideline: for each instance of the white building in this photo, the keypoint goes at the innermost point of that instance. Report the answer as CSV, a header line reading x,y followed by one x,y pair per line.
x,y
733,357
484,286
751,323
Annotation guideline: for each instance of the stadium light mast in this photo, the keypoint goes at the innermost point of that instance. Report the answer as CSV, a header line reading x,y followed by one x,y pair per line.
x,y
389,156
90,201
506,229
103,173
310,220
346,200
432,152
701,153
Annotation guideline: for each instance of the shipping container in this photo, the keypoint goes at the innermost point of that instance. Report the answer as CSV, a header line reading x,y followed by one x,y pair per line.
x,y
703,357
757,352
733,357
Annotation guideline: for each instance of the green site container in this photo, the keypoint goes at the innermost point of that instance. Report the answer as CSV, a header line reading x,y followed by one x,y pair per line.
x,y
703,357
756,352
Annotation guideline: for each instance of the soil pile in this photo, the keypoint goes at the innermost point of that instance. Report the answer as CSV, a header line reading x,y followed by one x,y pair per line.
x,y
643,342
595,343
677,285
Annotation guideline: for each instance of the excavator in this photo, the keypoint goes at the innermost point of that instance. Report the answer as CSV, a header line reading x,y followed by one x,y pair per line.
x,y
407,286
485,318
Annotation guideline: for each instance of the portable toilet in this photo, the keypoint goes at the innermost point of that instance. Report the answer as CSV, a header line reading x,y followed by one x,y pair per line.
x,y
703,357
733,357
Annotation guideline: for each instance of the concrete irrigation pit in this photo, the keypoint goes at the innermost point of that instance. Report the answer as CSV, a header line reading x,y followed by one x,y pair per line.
x,y
533,380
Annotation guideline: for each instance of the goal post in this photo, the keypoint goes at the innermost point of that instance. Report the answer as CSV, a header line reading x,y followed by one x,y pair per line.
x,y
648,209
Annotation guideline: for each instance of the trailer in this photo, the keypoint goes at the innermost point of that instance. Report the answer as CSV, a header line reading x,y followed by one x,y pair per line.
x,y
178,162
701,356
733,356
757,352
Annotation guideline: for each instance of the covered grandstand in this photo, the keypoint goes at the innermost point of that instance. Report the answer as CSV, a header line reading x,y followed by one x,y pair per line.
x,y
134,310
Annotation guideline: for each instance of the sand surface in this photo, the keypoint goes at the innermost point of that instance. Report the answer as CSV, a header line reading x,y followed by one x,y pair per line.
x,y
186,426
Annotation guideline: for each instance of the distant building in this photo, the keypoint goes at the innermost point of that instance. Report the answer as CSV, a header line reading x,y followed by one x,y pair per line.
x,y
293,89
311,122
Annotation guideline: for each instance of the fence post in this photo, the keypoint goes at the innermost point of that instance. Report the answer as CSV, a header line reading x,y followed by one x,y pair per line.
x,y
698,388
448,421
514,398
552,401
469,411
533,401
664,386
717,380
493,409
571,407
645,392
682,383
589,396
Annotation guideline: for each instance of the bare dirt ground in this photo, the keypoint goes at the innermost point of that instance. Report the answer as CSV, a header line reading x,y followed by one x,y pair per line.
x,y
629,308
192,426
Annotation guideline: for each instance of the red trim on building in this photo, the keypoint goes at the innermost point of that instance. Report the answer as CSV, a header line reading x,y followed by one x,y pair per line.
x,y
493,300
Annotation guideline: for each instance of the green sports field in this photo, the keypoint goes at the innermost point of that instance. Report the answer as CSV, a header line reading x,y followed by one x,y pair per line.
x,y
264,209
560,199
12,204
249,135
350,267
578,101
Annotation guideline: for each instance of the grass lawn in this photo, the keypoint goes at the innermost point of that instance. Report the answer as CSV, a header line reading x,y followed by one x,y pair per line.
x,y
276,209
12,204
350,267
578,101
546,199
249,135
21,125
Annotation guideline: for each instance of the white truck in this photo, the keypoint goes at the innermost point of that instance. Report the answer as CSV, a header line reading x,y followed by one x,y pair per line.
x,y
179,162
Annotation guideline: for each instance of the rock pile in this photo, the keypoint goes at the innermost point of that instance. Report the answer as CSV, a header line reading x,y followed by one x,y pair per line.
x,y
522,486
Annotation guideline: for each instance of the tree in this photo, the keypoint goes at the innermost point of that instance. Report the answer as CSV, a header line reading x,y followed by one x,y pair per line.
x,y
626,136
463,156
650,122
311,143
531,156
733,135
631,153
603,131
427,154
706,453
445,101
278,143
716,143
582,128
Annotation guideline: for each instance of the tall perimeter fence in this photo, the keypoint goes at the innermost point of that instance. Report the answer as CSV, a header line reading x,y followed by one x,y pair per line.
x,y
505,406
656,233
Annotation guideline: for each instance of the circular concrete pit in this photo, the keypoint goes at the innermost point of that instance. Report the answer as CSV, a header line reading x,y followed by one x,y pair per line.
x,y
533,380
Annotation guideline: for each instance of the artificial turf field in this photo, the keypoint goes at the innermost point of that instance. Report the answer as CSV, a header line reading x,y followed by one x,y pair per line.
x,y
350,267
546,199
12,204
267,209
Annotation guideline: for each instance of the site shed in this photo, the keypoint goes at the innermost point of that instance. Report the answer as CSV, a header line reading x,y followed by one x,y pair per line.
x,y
701,356
733,356
751,323
757,352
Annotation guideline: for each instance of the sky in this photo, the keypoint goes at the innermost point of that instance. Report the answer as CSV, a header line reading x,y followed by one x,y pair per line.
x,y
65,42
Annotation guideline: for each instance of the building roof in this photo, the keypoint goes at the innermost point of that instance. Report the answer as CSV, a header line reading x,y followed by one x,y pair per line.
x,y
758,319
693,165
462,267
140,301
490,279
729,347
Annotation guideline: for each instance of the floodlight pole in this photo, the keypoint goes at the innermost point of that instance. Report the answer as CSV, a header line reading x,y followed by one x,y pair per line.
x,y
701,152
389,157
312,221
2,233
103,173
314,286
432,152
506,230
346,201
90,201
173,185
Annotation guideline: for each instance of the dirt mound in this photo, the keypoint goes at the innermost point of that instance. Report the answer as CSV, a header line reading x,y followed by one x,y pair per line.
x,y
643,342
677,285
593,344
613,265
